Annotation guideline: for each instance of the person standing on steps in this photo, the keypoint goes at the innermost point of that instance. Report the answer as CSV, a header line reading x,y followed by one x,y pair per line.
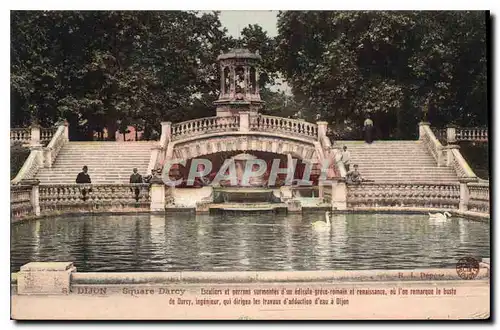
x,y
136,178
346,158
84,178
368,129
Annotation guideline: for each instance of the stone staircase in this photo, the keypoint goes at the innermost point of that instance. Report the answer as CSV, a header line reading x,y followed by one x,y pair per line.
x,y
108,162
397,162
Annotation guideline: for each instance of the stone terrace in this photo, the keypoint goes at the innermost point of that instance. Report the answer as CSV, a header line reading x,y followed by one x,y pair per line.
x,y
108,162
398,162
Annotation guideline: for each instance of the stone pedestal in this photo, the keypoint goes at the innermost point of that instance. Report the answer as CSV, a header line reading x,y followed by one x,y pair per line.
x,y
244,121
157,195
322,129
293,206
421,129
203,207
464,196
451,134
45,278
286,193
448,161
35,135
339,195
66,130
35,198
166,131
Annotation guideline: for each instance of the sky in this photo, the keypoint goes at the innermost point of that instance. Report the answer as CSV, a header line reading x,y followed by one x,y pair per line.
x,y
236,20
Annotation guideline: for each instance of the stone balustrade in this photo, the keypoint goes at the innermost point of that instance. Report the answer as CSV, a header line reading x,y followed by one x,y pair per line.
x,y
106,197
453,134
259,123
462,168
479,134
46,134
31,166
431,142
33,135
20,201
22,135
56,143
284,125
204,125
428,195
479,197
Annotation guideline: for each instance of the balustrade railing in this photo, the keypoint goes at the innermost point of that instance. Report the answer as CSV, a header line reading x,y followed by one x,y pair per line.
x,y
432,144
479,134
284,125
46,134
56,143
205,125
20,135
462,168
479,197
109,196
20,201
30,167
426,195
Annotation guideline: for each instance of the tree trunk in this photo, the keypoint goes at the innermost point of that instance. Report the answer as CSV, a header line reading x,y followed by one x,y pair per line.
x,y
111,127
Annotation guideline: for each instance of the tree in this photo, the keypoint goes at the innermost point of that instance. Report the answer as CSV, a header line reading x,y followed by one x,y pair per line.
x,y
97,69
348,64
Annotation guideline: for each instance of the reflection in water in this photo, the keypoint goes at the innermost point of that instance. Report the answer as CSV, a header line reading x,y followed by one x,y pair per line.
x,y
176,242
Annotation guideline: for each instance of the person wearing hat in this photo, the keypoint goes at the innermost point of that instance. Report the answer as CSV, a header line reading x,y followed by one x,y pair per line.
x,y
136,178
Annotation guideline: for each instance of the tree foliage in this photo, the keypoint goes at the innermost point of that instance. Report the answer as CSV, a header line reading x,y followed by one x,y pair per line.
x,y
389,64
111,68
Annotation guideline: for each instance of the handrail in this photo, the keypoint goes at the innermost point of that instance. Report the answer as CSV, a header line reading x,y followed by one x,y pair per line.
x,y
56,143
205,125
286,125
30,167
433,144
461,166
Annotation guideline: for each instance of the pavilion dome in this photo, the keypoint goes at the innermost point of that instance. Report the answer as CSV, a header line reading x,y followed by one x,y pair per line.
x,y
239,53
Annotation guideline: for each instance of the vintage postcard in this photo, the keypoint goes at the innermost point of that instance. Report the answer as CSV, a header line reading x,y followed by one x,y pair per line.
x,y
249,165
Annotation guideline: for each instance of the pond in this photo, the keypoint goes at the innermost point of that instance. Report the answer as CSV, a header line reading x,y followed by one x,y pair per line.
x,y
240,242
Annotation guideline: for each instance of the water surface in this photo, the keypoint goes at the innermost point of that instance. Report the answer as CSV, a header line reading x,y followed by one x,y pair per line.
x,y
247,242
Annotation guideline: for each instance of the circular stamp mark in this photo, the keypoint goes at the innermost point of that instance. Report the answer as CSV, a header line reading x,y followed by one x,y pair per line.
x,y
467,268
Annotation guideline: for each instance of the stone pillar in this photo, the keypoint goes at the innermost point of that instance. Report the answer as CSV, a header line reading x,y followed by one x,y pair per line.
x,y
244,121
464,196
449,154
321,190
293,206
339,195
322,129
421,128
35,135
166,130
66,130
157,194
451,134
45,278
35,198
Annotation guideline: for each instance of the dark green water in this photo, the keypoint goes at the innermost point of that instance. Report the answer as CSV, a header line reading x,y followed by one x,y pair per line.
x,y
250,242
